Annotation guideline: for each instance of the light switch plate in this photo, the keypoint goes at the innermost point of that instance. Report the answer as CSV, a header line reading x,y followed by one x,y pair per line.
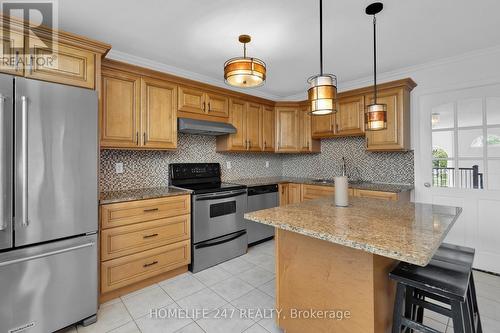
x,y
267,164
228,165
119,167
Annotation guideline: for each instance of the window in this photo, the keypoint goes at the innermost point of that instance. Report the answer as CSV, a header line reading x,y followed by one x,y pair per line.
x,y
466,144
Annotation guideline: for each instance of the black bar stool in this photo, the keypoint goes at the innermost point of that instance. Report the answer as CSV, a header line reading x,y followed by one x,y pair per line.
x,y
445,282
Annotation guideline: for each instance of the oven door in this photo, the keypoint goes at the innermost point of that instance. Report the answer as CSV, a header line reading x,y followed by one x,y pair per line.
x,y
218,214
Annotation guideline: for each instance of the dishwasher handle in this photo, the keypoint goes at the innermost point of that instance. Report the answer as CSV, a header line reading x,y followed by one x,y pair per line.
x,y
265,189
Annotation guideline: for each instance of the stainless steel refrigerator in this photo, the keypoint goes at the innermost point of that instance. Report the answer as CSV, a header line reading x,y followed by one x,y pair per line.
x,y
48,206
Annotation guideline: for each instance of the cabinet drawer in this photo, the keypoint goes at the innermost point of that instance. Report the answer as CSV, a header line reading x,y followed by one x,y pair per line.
x,y
121,241
389,196
310,192
124,213
121,272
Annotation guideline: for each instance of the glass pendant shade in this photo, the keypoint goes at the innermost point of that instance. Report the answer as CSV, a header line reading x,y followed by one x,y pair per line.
x,y
376,117
322,94
244,72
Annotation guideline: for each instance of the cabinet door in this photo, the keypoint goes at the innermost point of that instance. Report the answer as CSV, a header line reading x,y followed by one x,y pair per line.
x,y
254,127
62,64
396,136
286,129
311,192
268,128
283,188
237,117
305,139
349,119
159,114
191,100
322,126
294,193
12,49
217,105
120,110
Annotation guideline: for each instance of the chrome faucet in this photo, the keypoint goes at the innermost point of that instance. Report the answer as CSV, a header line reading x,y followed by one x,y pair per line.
x,y
344,168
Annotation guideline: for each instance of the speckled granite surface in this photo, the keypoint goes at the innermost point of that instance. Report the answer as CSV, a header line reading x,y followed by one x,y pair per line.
x,y
409,232
395,188
139,194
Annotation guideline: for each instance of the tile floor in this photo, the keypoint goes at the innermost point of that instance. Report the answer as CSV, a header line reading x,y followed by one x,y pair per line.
x,y
243,283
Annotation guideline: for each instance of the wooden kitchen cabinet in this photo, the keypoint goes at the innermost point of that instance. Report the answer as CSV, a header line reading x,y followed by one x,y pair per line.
x,y
290,193
287,129
323,126
159,114
120,109
254,127
388,196
397,134
205,104
306,142
283,194
143,242
268,126
137,112
311,192
11,49
349,119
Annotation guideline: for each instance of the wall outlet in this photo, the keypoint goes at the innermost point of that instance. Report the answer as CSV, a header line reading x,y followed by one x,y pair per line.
x,y
119,167
228,165
267,164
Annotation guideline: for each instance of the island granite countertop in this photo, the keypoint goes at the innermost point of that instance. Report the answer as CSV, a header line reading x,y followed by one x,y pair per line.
x,y
383,187
405,231
140,194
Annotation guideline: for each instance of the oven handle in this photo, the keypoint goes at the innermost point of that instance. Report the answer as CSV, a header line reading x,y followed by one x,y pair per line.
x,y
221,240
220,196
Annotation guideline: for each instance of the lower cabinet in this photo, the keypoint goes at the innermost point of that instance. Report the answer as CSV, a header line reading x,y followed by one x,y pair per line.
x,y
142,240
388,196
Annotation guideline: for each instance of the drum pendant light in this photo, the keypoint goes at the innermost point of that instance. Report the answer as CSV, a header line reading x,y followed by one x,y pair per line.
x,y
323,87
244,72
376,113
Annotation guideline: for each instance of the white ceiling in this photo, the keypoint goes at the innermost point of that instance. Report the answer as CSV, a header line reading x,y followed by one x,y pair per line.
x,y
196,37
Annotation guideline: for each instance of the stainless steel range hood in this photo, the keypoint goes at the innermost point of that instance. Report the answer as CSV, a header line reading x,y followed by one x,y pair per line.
x,y
204,127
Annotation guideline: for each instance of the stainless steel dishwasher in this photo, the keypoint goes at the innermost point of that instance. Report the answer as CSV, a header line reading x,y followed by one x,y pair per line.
x,y
260,197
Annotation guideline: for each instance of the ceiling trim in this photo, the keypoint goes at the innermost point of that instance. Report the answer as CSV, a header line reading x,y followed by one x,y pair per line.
x,y
402,72
151,64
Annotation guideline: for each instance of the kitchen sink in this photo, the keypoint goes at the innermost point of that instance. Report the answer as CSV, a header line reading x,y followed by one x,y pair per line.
x,y
324,181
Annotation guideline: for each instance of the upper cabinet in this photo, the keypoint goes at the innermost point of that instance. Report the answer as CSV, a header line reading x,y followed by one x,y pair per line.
x,y
323,126
349,119
202,105
52,56
137,111
247,118
293,130
306,143
268,125
396,137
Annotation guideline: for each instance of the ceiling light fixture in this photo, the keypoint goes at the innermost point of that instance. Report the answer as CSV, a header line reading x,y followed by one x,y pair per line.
x,y
244,72
323,87
376,113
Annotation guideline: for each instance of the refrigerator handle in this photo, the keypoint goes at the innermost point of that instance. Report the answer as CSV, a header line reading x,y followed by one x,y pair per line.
x,y
46,254
24,163
3,223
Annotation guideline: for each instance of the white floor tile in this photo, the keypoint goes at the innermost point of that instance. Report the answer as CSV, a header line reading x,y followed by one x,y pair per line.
x,y
489,291
231,288
488,308
164,323
490,325
258,258
439,326
236,266
71,329
481,277
256,329
270,325
436,316
127,328
225,319
182,287
255,299
140,291
269,266
204,300
269,288
108,317
256,276
140,304
191,328
212,275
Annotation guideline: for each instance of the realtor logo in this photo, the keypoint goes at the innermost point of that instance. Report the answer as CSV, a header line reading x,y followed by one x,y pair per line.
x,y
36,20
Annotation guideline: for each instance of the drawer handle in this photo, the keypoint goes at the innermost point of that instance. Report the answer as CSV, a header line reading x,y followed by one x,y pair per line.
x,y
150,264
150,210
149,236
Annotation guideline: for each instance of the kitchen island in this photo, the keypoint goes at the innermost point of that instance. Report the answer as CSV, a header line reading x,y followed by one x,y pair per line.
x,y
332,263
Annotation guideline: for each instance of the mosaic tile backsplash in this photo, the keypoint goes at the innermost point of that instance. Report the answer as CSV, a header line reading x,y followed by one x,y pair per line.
x,y
144,169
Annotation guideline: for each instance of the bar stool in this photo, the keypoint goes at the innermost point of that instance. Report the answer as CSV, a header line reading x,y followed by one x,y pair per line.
x,y
443,281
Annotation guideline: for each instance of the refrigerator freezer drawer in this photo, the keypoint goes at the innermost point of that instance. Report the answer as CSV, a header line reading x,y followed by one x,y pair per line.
x,y
45,288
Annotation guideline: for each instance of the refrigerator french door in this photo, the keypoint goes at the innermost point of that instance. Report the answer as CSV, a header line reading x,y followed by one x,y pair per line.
x,y
49,192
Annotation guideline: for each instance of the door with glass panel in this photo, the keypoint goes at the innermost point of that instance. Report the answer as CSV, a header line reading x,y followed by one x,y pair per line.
x,y
459,164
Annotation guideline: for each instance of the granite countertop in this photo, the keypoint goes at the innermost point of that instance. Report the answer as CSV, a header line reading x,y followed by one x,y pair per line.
x,y
405,231
139,194
384,187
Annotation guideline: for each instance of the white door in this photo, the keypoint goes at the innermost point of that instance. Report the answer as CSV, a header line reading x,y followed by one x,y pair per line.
x,y
458,164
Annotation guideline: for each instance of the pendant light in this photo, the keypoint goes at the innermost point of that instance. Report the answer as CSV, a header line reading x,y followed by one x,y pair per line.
x,y
244,72
376,113
323,87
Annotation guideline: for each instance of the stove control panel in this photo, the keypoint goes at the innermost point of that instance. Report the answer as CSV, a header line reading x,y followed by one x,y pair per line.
x,y
194,170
